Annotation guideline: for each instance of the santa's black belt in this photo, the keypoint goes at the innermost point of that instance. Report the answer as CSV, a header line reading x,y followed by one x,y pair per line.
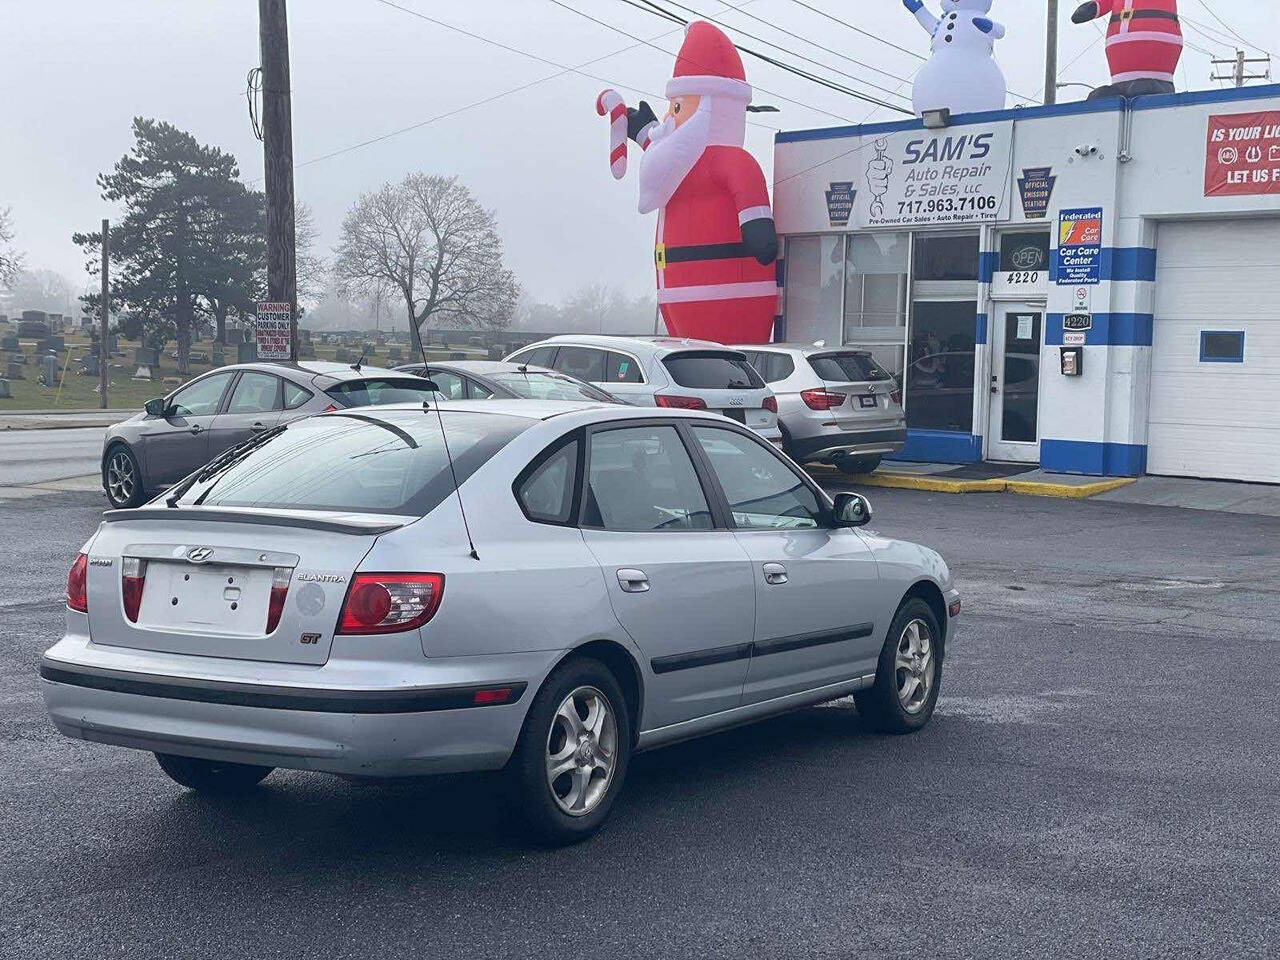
x,y
663,255
1144,15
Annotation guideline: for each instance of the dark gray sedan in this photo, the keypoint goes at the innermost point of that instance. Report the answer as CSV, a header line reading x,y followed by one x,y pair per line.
x,y
504,380
178,433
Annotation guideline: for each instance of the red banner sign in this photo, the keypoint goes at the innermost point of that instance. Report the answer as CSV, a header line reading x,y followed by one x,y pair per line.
x,y
1242,154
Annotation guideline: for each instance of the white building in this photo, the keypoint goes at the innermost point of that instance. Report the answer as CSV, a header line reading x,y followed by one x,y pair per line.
x,y
1139,240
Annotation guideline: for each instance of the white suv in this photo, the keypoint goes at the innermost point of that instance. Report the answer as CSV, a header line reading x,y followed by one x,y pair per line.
x,y
664,372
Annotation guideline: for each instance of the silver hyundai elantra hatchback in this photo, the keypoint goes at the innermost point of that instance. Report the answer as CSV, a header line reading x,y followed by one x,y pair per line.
x,y
537,587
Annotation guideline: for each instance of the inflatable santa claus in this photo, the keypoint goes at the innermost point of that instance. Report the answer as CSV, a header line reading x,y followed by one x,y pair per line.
x,y
1144,43
716,243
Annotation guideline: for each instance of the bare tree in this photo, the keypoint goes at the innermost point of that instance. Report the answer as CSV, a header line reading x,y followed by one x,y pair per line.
x,y
428,242
311,267
10,259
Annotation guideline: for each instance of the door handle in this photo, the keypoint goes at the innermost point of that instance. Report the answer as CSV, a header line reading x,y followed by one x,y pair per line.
x,y
775,573
196,428
632,580
995,383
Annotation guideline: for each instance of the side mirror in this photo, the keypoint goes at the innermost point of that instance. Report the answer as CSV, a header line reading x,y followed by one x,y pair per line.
x,y
852,510
155,407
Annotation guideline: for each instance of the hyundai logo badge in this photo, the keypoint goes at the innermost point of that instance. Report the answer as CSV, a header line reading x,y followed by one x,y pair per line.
x,y
199,554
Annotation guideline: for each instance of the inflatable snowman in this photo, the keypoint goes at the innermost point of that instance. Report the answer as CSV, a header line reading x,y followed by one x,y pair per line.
x,y
961,74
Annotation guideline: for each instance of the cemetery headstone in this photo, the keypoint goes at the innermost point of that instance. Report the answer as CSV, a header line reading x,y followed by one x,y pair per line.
x,y
246,352
10,343
49,371
15,371
4,389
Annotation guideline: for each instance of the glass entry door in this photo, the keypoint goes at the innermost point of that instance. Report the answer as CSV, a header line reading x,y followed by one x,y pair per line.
x,y
1014,427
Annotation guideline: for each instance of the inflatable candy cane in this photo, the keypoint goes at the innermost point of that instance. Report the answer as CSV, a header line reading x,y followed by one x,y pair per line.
x,y
611,102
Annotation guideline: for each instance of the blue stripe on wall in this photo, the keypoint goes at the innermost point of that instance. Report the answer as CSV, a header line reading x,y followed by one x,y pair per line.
x,y
939,446
1109,329
1093,458
988,262
1118,263
980,330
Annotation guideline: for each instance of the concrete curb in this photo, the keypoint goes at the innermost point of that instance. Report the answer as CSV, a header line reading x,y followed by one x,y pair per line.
x,y
1034,488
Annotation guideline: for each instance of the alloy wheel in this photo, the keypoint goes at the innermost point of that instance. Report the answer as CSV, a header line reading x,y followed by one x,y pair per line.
x,y
582,751
121,478
914,666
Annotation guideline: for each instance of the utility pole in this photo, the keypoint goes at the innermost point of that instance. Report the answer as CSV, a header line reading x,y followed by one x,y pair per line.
x,y
277,150
1051,55
104,355
1238,66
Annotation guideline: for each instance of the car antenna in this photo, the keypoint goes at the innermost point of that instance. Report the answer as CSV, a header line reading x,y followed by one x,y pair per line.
x,y
457,492
359,363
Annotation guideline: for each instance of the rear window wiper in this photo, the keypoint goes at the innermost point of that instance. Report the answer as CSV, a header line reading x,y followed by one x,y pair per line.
x,y
220,463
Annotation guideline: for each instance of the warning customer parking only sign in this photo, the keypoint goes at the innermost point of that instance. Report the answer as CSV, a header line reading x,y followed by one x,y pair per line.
x,y
271,331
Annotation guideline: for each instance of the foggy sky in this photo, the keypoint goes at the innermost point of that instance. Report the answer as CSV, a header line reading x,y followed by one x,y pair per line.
x,y
77,71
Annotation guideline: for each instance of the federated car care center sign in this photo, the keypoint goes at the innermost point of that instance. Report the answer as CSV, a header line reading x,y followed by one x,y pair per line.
x,y
927,177
1080,245
271,331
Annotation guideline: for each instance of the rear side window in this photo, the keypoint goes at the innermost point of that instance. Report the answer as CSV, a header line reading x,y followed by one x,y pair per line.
x,y
378,390
295,396
848,365
581,362
546,492
712,370
353,463
255,393
619,368
775,366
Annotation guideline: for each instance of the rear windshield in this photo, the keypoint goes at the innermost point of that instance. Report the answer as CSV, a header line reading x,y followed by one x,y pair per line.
x,y
374,391
712,370
537,385
359,464
848,365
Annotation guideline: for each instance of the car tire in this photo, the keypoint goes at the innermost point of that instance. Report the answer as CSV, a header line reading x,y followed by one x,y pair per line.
x,y
212,776
895,703
855,465
122,477
571,806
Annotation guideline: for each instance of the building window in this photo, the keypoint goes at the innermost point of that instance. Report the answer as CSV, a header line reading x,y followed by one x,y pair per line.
x,y
1022,252
875,296
944,309
1222,346
815,278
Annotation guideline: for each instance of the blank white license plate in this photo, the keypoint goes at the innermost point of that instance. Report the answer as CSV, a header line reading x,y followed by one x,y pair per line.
x,y
191,598
867,401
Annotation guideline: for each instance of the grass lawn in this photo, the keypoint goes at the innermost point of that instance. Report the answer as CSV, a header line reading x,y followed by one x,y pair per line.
x,y
125,393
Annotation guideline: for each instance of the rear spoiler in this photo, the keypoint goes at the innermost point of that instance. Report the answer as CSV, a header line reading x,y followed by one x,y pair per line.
x,y
370,527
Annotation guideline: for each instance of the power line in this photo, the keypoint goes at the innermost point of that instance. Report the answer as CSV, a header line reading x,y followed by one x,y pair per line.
x,y
651,8
797,36
844,23
497,96
1231,30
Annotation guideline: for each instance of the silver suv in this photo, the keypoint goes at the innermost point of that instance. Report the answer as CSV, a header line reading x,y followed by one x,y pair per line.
x,y
836,406
664,372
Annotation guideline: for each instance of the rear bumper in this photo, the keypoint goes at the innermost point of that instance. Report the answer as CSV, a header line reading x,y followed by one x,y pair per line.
x,y
854,442
428,724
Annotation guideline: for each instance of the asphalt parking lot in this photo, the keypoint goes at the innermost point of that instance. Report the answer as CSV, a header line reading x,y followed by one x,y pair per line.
x,y
1100,779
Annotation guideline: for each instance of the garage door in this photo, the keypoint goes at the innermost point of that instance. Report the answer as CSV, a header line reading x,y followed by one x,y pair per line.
x,y
1215,359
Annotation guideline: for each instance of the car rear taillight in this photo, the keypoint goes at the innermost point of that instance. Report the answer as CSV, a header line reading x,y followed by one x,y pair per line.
x,y
770,404
133,576
279,591
821,399
390,602
896,396
77,584
678,402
